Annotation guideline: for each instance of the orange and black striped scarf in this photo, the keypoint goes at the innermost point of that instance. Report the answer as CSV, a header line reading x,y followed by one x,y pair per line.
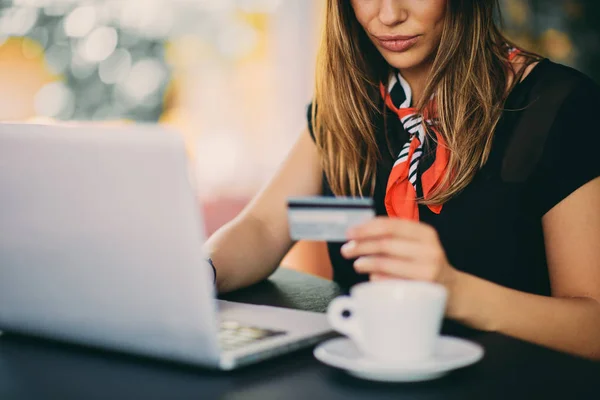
x,y
425,146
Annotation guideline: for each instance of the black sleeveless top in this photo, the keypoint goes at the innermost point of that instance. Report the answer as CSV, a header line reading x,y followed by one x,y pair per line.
x,y
544,148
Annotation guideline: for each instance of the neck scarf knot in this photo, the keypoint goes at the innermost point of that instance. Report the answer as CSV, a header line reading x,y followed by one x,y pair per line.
x,y
402,186
425,146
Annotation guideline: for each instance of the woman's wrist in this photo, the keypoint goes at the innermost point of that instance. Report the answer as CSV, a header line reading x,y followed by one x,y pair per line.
x,y
468,296
454,287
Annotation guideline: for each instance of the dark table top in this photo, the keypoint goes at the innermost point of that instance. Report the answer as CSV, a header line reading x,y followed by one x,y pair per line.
x,y
511,369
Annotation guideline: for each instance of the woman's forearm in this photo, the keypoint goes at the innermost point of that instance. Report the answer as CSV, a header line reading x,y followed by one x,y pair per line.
x,y
244,252
566,324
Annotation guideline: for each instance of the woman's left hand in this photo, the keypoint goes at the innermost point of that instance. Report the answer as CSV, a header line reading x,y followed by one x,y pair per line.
x,y
388,248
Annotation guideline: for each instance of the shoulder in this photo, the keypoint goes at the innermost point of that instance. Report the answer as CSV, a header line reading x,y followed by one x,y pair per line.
x,y
552,145
553,93
577,97
555,79
570,102
555,108
556,70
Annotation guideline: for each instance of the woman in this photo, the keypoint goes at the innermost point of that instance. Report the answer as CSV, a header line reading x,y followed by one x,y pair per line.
x,y
480,159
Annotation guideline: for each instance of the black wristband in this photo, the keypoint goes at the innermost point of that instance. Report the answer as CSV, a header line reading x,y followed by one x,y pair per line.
x,y
210,261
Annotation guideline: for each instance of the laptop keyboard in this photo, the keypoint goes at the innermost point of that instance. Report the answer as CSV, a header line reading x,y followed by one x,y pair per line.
x,y
234,335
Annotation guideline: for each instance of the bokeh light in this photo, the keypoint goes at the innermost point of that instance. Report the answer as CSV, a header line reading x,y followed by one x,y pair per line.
x,y
99,44
80,21
54,100
145,78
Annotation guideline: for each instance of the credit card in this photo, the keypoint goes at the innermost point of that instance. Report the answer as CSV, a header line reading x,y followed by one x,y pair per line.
x,y
327,218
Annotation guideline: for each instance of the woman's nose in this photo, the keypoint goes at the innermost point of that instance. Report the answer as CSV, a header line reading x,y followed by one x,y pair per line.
x,y
392,12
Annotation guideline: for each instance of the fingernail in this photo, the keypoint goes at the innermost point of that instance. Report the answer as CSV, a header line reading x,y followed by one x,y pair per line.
x,y
359,263
348,246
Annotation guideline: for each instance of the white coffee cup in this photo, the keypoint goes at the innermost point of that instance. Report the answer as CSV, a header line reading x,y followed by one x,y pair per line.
x,y
394,320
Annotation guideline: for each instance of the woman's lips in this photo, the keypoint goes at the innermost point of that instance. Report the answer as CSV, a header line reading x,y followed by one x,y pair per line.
x,y
397,43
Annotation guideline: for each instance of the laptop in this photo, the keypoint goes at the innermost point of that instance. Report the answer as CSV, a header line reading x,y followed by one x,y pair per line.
x,y
101,244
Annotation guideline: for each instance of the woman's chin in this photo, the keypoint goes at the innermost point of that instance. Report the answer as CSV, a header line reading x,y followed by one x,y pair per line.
x,y
406,60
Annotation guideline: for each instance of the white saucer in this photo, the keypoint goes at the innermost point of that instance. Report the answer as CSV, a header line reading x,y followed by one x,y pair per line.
x,y
451,353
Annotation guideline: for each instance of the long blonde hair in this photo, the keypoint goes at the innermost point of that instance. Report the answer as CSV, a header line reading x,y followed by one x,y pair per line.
x,y
469,77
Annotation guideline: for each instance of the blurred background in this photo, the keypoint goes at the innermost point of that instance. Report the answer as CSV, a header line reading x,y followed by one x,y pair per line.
x,y
232,76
